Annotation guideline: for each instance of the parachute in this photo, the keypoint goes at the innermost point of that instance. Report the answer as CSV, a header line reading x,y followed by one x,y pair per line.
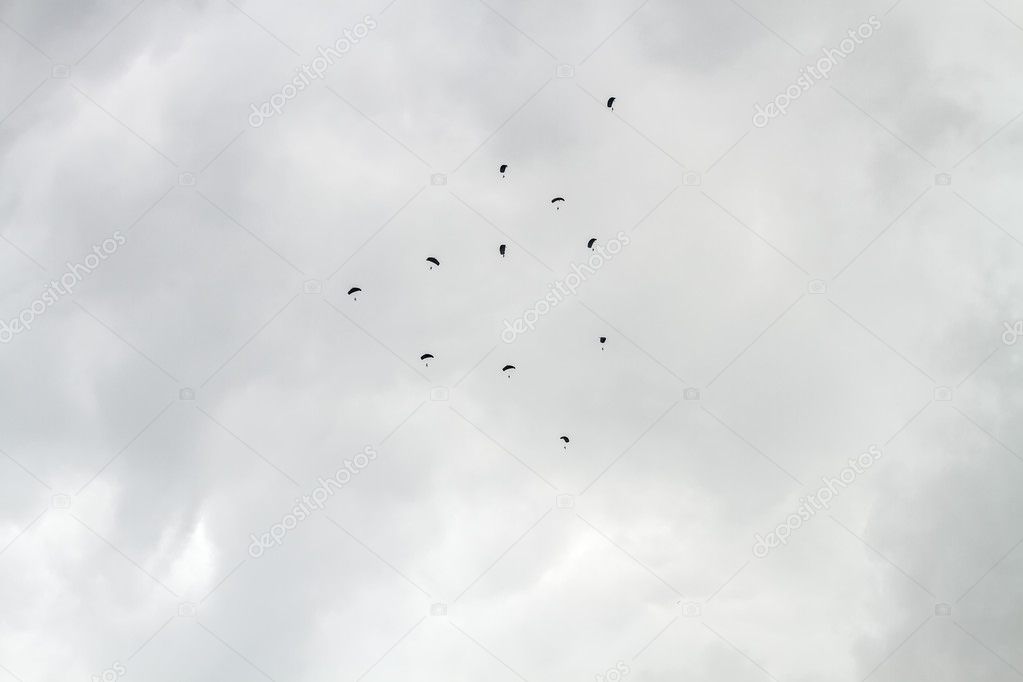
x,y
565,438
602,340
354,290
433,262
507,369
502,169
611,103
555,200
426,357
589,244
502,249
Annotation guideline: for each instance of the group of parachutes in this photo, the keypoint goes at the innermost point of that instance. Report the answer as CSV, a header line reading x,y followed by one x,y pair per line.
x,y
502,249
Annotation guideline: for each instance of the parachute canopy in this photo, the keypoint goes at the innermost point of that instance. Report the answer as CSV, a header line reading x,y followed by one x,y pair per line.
x,y
610,102
557,199
354,290
565,438
426,356
433,260
502,248
503,168
589,244
507,367
603,339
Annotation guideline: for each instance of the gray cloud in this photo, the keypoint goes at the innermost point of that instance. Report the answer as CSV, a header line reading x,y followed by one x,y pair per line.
x,y
789,296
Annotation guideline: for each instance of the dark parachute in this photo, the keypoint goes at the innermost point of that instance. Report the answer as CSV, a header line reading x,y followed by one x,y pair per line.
x,y
433,261
557,200
426,357
354,290
589,244
503,168
502,248
508,369
602,340
611,103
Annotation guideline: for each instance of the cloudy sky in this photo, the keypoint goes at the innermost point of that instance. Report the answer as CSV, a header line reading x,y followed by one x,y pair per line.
x,y
182,367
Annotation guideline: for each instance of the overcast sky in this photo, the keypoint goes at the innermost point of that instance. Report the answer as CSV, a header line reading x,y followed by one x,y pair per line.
x,y
779,292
